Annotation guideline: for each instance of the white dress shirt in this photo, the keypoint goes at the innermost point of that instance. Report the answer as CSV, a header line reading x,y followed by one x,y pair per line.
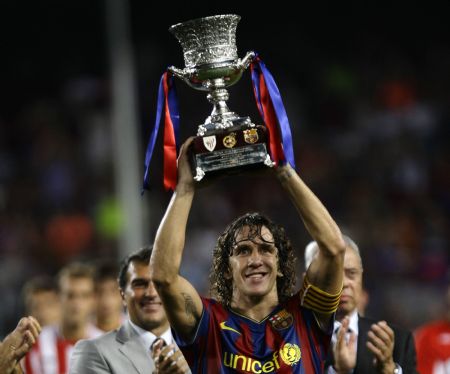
x,y
352,327
148,338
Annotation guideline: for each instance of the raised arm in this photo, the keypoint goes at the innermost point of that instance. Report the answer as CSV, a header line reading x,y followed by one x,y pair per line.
x,y
181,301
327,269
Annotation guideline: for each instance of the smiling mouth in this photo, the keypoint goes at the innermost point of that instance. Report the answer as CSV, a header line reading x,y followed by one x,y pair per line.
x,y
255,276
151,305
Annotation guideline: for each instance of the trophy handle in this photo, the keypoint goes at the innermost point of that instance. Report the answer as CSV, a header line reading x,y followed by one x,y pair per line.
x,y
243,64
180,73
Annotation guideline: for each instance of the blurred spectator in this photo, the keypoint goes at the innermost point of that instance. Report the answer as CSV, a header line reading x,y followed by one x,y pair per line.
x,y
108,304
433,344
55,344
68,235
40,296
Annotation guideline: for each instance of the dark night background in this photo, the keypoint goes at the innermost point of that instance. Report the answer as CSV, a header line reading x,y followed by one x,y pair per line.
x,y
367,92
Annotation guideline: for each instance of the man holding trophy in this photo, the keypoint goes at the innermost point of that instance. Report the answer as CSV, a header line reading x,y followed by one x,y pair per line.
x,y
256,323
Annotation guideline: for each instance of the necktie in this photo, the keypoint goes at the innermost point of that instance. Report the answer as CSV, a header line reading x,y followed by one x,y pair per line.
x,y
156,341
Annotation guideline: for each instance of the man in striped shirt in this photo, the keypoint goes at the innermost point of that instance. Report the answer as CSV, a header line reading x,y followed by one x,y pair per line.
x,y
52,351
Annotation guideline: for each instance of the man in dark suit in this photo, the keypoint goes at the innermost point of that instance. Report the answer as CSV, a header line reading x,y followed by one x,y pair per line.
x,y
362,345
144,343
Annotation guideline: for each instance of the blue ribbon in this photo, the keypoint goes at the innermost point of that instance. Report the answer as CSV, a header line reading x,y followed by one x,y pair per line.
x,y
174,110
174,115
255,79
277,102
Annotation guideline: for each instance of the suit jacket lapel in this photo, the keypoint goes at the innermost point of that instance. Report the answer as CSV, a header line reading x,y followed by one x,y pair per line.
x,y
133,349
329,360
363,355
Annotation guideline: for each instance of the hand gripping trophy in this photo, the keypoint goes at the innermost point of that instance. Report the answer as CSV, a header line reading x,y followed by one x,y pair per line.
x,y
225,142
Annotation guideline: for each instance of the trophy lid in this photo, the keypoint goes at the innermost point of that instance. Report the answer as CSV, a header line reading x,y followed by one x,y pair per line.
x,y
208,40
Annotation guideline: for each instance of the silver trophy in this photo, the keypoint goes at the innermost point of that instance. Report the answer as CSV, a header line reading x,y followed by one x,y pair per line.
x,y
225,142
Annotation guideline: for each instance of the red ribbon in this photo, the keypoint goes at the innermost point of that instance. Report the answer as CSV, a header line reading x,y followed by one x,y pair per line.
x,y
170,149
271,122
268,113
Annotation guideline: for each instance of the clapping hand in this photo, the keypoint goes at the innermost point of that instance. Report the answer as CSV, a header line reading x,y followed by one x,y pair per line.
x,y
168,359
381,344
344,351
18,343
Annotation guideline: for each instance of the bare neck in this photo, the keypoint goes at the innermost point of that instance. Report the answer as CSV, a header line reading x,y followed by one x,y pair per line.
x,y
158,331
256,308
109,324
74,332
341,314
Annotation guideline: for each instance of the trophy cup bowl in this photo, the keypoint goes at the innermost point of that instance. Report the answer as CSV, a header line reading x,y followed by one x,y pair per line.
x,y
225,142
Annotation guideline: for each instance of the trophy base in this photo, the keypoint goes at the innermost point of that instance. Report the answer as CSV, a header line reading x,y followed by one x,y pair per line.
x,y
230,152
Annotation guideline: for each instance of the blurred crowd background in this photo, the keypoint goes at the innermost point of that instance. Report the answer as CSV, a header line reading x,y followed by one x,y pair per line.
x,y
367,92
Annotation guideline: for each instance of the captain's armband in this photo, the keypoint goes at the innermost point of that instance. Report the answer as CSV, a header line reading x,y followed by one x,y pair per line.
x,y
319,301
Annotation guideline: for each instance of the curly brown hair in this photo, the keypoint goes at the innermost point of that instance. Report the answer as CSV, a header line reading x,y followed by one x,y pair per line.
x,y
222,288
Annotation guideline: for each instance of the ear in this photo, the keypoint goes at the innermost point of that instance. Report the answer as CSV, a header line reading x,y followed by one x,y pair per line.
x,y
279,272
227,274
122,295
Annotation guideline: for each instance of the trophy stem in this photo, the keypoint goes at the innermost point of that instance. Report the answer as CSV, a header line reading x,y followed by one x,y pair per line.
x,y
221,115
219,98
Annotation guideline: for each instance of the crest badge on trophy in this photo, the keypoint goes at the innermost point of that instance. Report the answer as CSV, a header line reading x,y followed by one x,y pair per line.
x,y
226,142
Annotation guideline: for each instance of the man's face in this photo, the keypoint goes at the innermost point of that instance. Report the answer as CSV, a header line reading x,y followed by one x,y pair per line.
x,y
352,282
77,300
141,299
254,264
109,301
45,307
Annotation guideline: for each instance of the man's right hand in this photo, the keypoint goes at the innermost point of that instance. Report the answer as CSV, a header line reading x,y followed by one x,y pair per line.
x,y
18,343
344,351
380,342
186,181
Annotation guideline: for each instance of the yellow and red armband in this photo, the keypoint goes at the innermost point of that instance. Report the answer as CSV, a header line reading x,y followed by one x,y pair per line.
x,y
319,301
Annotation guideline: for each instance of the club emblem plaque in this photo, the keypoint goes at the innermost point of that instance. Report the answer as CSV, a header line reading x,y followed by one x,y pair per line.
x,y
226,142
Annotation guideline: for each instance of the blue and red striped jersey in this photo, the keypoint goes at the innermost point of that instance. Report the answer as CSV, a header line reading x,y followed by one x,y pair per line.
x,y
288,340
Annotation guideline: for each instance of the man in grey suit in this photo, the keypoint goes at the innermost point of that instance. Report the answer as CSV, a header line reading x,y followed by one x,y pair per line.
x,y
144,343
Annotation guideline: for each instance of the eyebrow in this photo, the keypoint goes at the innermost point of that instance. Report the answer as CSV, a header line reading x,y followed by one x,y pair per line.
x,y
240,245
353,269
263,245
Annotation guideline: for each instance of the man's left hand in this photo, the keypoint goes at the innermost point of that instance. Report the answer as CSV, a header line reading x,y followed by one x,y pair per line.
x,y
381,343
168,359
